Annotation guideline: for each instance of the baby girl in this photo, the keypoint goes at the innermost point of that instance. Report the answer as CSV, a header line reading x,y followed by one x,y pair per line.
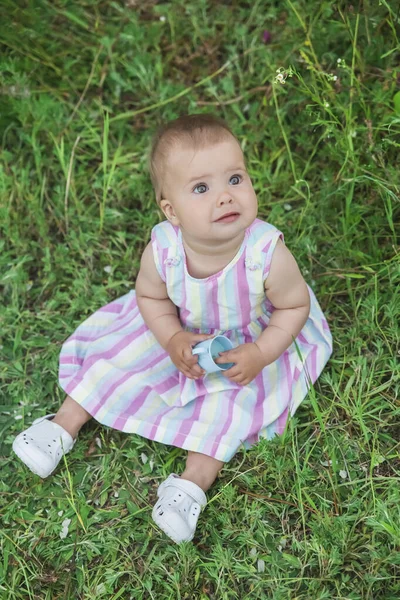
x,y
211,267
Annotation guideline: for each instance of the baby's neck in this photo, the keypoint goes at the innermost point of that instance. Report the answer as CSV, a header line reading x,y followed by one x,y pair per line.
x,y
219,251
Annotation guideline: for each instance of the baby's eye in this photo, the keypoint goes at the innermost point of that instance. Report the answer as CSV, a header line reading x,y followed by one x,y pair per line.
x,y
201,188
235,179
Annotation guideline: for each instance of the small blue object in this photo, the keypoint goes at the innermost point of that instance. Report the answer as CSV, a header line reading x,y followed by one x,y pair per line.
x,y
210,349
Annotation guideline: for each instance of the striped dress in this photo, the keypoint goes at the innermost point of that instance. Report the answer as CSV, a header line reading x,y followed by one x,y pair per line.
x,y
113,366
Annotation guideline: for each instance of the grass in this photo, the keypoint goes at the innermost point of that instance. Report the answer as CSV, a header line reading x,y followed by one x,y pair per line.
x,y
313,514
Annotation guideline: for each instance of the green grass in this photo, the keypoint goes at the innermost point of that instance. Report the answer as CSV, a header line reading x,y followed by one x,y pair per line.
x,y
315,513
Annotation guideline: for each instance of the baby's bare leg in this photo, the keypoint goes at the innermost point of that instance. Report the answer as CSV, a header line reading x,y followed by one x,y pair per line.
x,y
71,416
201,469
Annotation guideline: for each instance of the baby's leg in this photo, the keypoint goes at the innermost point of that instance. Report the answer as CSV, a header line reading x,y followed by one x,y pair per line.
x,y
201,469
43,444
182,498
71,416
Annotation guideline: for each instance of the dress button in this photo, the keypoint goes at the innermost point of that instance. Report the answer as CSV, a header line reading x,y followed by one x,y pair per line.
x,y
172,262
252,265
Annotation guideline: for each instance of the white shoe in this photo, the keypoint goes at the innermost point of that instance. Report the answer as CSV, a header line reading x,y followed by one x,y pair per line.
x,y
42,445
178,509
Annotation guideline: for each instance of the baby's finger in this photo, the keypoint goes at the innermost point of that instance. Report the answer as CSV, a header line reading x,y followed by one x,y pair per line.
x,y
188,356
196,370
223,357
188,374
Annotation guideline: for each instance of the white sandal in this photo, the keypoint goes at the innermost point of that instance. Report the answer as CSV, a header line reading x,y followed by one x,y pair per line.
x,y
178,508
42,445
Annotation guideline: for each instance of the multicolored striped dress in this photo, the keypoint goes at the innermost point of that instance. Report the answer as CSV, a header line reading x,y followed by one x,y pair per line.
x,y
113,366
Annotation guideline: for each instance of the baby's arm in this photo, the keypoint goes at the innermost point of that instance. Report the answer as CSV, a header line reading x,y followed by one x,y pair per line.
x,y
159,312
288,292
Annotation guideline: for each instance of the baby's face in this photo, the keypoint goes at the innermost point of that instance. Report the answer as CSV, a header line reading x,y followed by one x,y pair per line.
x,y
201,186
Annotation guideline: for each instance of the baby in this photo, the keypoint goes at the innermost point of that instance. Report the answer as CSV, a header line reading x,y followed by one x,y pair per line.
x,y
212,267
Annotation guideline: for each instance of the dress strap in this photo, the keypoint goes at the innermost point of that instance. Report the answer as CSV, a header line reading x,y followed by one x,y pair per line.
x,y
261,246
164,241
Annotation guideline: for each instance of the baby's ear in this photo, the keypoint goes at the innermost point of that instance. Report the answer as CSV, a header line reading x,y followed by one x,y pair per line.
x,y
169,211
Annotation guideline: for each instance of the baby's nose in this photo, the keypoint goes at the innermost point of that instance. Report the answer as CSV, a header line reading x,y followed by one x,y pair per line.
x,y
225,196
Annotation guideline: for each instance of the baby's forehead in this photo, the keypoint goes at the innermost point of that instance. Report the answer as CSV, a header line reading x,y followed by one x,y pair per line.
x,y
185,155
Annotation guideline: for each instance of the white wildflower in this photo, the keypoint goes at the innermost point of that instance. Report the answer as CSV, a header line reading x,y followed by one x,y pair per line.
x,y
60,513
64,530
334,77
326,463
283,74
260,566
279,78
116,494
29,285
98,442
163,18
339,60
108,269
144,458
287,206
326,104
151,464
343,474
18,417
253,551
246,107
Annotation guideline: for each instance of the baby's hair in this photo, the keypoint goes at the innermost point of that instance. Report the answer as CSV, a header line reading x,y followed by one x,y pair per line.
x,y
195,130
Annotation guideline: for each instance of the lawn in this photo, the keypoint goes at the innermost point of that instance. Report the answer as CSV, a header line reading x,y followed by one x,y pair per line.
x,y
312,89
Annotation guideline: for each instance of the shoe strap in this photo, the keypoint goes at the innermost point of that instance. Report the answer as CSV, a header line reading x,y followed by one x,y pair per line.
x,y
190,488
40,419
47,427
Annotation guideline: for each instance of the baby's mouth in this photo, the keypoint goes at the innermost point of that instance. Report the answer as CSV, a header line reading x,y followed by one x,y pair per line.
x,y
231,214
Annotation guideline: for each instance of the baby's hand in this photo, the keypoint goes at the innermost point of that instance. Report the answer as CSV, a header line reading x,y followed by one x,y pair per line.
x,y
249,362
180,350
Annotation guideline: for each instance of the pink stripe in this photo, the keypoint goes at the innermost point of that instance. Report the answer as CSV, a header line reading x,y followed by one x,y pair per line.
x,y
114,351
281,421
106,393
227,424
311,359
258,411
167,384
153,434
267,247
187,424
116,326
70,359
325,325
112,307
267,262
132,409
